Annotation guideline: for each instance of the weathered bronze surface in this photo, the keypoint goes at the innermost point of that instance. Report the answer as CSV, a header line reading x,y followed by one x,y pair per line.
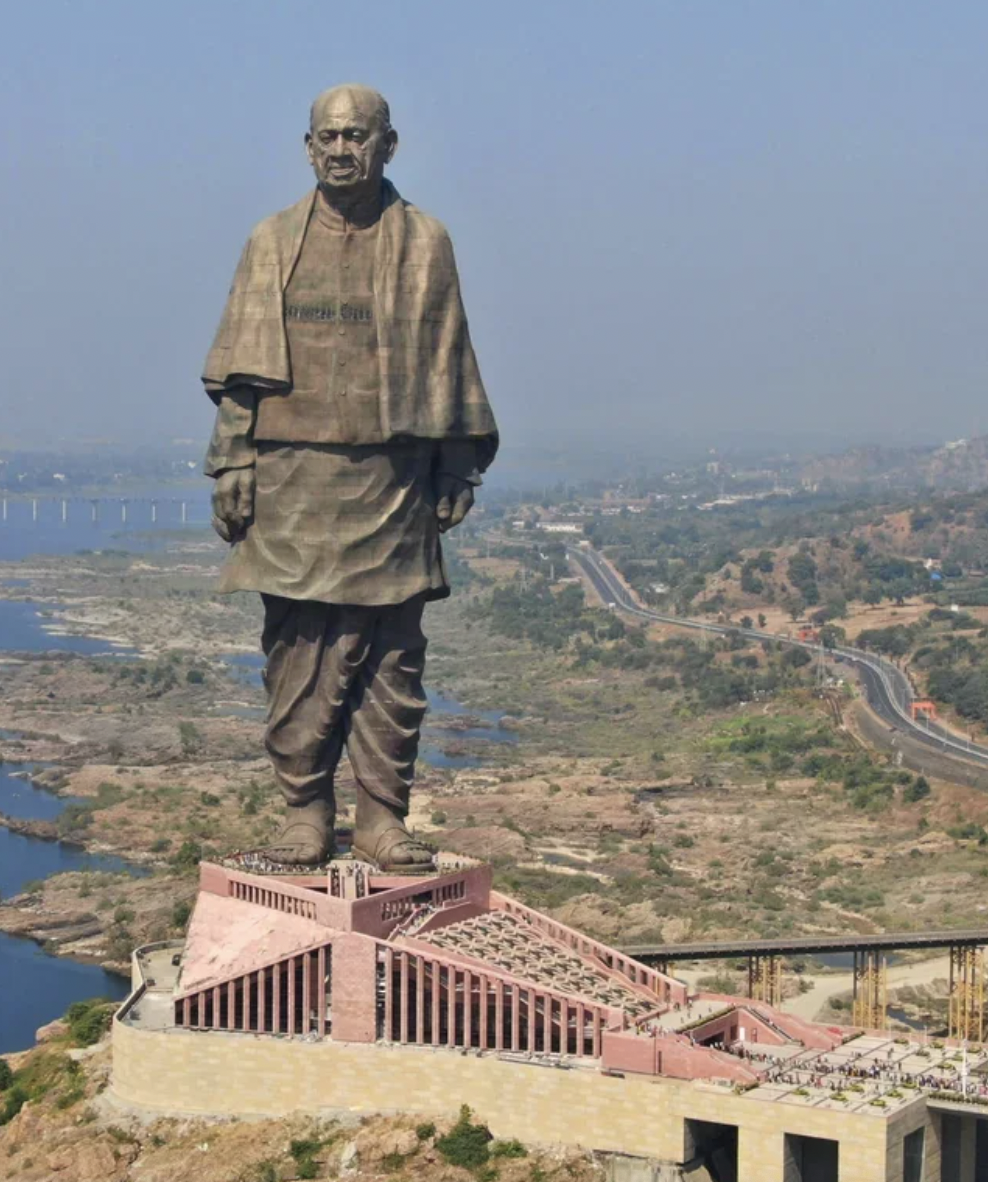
x,y
351,429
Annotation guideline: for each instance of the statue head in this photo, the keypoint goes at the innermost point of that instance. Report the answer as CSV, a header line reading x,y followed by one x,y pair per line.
x,y
350,140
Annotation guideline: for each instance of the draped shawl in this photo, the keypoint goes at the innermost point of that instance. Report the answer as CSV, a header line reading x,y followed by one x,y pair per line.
x,y
430,383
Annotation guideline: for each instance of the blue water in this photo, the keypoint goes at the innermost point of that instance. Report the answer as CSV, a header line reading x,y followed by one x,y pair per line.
x,y
25,858
21,536
22,629
36,987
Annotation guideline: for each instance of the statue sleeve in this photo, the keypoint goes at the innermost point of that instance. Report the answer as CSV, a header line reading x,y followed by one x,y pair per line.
x,y
232,443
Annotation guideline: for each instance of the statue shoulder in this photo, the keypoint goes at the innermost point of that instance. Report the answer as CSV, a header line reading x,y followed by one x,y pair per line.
x,y
284,225
423,225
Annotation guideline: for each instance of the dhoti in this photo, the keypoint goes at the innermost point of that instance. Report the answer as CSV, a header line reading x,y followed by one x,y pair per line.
x,y
340,674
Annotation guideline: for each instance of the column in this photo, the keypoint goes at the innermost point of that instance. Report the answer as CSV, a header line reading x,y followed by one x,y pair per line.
x,y
291,995
306,992
420,999
321,998
403,997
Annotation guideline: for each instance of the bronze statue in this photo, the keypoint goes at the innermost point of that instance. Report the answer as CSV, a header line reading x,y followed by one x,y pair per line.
x,y
351,430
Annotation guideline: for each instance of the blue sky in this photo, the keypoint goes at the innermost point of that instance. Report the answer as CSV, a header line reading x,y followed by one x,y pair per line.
x,y
676,223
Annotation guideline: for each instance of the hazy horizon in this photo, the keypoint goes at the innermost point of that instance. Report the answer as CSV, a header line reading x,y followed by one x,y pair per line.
x,y
676,226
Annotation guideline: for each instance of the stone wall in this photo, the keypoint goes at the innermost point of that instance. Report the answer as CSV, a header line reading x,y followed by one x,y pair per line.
x,y
240,1074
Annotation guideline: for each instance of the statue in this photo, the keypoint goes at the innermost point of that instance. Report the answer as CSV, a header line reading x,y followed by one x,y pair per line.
x,y
351,429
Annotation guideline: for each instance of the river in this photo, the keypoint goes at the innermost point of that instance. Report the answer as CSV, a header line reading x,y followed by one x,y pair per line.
x,y
36,987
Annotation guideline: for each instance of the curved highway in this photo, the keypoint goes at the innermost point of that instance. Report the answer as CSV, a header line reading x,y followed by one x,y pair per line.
x,y
886,687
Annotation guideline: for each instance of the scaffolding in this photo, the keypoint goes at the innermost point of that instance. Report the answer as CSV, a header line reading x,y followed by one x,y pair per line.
x,y
870,989
966,1008
765,979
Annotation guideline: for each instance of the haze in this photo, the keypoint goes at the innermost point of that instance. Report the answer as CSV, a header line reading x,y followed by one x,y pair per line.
x,y
676,224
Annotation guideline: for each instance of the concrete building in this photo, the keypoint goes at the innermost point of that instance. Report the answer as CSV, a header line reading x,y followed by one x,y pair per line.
x,y
354,991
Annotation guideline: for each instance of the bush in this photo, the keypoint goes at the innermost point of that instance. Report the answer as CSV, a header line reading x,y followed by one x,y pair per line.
x,y
188,855
510,1148
466,1145
13,1101
307,1168
180,914
424,1132
304,1147
6,1075
89,1020
73,818
915,791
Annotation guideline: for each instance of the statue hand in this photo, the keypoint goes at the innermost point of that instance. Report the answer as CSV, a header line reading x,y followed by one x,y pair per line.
x,y
233,503
454,500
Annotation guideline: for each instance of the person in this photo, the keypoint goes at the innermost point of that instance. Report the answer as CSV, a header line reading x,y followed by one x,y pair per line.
x,y
352,428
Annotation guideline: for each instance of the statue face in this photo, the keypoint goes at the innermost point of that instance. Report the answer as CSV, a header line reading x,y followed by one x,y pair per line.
x,y
347,146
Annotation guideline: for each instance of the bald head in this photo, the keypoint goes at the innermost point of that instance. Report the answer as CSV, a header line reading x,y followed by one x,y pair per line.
x,y
350,140
353,98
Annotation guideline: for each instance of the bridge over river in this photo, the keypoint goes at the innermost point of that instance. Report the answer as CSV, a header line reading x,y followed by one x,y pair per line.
x,y
152,509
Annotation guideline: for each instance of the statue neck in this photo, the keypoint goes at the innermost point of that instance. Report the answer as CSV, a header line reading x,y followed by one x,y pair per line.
x,y
357,209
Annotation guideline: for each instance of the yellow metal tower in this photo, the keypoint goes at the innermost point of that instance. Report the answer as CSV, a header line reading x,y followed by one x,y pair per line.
x,y
870,989
967,993
765,979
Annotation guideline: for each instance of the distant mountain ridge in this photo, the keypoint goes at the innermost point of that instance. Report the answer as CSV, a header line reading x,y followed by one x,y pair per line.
x,y
960,465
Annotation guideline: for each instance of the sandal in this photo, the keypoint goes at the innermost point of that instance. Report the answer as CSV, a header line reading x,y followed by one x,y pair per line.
x,y
312,851
314,840
388,841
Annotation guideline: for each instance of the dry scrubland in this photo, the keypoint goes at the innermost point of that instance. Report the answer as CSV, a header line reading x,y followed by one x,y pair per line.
x,y
623,807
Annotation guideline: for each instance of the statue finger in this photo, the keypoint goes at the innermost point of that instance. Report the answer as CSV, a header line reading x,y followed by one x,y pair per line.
x,y
463,505
245,495
221,527
444,508
222,502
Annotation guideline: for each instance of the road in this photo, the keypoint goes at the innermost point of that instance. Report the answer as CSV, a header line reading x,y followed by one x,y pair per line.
x,y
886,687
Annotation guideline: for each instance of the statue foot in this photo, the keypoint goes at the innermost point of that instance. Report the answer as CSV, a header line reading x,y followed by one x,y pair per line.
x,y
381,838
307,837
393,850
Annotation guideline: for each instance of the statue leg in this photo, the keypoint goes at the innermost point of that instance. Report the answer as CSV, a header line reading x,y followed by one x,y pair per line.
x,y
314,652
386,715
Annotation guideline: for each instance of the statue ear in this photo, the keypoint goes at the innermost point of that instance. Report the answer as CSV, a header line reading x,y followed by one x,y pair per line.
x,y
392,145
308,146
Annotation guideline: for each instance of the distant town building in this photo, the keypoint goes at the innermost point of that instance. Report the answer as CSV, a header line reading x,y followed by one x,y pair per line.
x,y
560,527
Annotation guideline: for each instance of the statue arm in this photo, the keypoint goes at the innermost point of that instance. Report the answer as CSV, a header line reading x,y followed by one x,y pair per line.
x,y
230,461
232,443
